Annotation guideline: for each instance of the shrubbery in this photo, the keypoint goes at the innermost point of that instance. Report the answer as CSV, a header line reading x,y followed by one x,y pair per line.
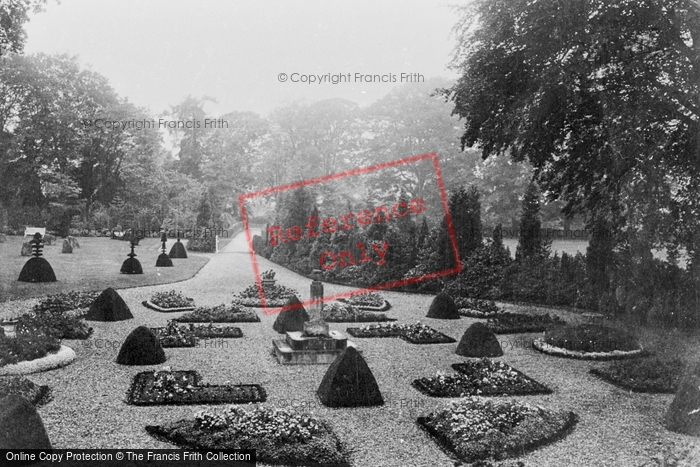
x,y
204,244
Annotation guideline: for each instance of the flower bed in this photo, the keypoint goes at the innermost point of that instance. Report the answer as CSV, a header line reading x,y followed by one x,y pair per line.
x,y
167,387
223,313
37,395
62,357
26,347
475,428
482,377
170,301
278,435
174,335
513,323
416,333
476,308
275,296
588,341
652,375
66,301
336,312
370,301
55,322
210,331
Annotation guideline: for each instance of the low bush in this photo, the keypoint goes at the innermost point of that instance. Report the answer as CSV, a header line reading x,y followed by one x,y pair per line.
x,y
204,244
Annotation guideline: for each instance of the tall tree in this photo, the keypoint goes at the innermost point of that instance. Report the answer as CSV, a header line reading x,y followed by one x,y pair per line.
x,y
601,96
13,15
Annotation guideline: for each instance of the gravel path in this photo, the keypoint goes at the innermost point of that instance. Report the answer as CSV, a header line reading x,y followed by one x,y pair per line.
x,y
617,428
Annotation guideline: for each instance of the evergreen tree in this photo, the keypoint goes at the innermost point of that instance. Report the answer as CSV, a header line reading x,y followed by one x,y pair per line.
x,y
530,242
465,210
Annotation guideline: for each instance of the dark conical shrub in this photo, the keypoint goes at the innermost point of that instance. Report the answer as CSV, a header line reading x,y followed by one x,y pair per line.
x,y
292,317
683,415
131,266
479,341
141,347
164,261
20,425
443,307
109,306
37,269
178,250
349,383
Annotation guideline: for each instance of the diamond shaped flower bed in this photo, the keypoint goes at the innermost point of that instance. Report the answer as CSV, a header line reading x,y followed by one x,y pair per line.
x,y
416,333
514,323
476,308
588,342
474,428
279,435
170,301
223,313
167,387
652,375
480,377
275,296
337,312
34,393
370,301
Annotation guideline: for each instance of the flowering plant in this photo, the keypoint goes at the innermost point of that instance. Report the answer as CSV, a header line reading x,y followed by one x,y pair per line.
x,y
168,386
279,424
367,299
268,275
171,299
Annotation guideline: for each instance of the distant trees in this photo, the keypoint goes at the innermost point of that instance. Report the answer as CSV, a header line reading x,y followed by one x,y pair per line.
x,y
13,15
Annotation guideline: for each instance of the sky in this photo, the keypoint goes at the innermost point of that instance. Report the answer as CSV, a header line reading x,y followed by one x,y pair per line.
x,y
157,52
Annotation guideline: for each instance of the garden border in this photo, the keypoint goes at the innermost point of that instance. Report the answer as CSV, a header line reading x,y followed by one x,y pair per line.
x,y
541,346
63,357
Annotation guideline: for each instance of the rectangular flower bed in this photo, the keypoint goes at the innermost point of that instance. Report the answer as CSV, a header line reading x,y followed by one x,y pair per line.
x,y
221,332
370,301
416,333
483,377
184,388
513,323
174,335
223,313
341,312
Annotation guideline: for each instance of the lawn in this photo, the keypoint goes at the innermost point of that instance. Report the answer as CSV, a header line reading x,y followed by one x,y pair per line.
x,y
93,266
616,427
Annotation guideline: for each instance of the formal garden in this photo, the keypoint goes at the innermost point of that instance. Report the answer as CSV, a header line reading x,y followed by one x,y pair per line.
x,y
500,270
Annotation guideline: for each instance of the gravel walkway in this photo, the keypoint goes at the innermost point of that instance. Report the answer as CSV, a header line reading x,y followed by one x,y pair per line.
x,y
617,428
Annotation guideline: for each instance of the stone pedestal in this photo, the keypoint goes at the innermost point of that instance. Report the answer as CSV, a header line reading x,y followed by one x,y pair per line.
x,y
316,344
298,349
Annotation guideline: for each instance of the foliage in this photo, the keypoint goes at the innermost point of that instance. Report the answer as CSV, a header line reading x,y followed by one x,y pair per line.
x,y
590,338
662,375
220,314
170,299
601,97
204,244
13,15
66,301
57,324
26,346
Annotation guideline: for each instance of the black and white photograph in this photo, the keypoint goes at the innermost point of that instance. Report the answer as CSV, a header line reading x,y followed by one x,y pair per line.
x,y
394,233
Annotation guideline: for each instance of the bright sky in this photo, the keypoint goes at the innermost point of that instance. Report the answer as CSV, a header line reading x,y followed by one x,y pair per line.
x,y
157,52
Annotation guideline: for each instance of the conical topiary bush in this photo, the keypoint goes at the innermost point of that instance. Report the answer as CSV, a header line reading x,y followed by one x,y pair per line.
x,y
164,261
178,250
349,382
292,317
443,307
683,415
109,306
20,425
37,269
479,341
141,347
